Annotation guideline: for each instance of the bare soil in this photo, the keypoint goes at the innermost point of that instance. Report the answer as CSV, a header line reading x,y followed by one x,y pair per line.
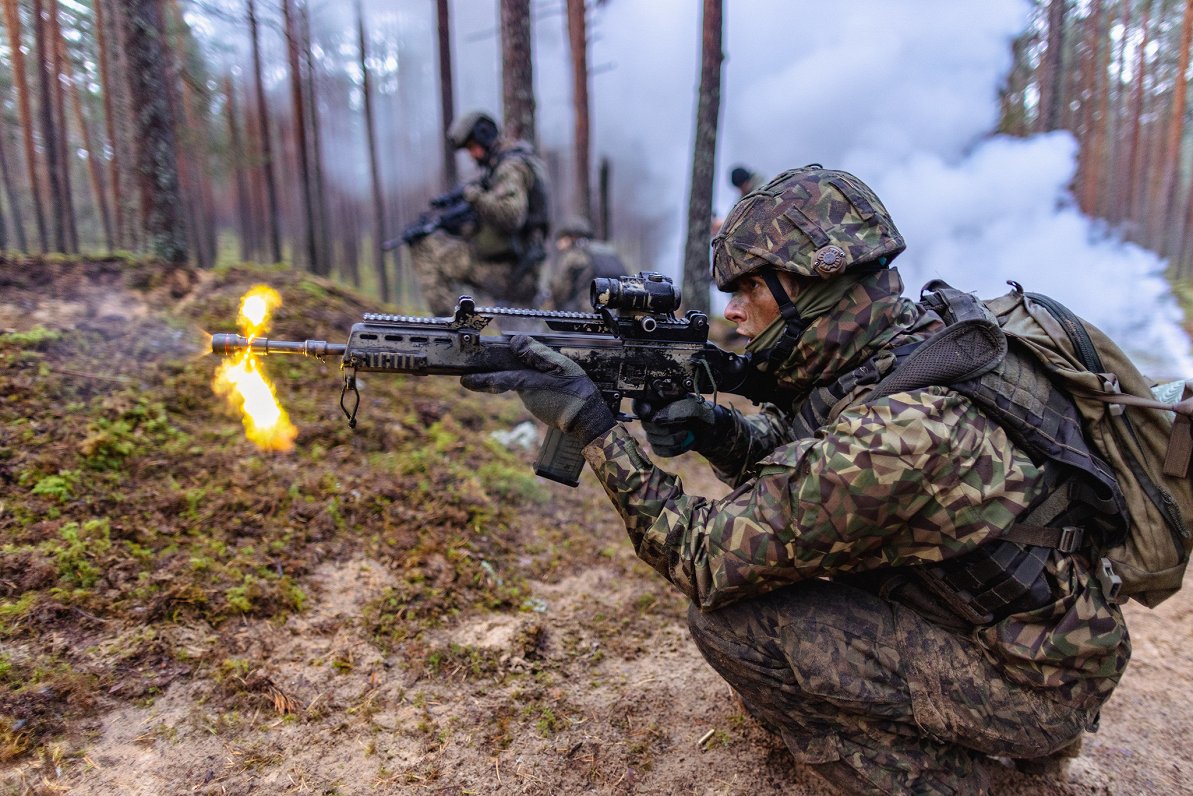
x,y
263,623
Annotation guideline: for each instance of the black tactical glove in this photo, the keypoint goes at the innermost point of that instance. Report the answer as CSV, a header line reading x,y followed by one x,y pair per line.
x,y
681,426
554,388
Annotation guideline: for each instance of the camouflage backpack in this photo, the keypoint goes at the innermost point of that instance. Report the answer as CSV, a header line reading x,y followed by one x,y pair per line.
x,y
1025,357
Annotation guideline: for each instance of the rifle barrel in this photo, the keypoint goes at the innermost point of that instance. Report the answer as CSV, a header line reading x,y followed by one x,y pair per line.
x,y
229,345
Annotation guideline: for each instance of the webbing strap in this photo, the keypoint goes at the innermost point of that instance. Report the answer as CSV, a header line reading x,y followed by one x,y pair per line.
x,y
1067,539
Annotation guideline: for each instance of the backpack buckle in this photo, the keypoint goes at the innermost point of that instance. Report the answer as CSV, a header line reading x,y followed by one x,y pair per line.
x,y
1109,580
1070,539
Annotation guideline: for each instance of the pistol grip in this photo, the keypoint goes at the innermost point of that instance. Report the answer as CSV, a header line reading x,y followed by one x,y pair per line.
x,y
560,458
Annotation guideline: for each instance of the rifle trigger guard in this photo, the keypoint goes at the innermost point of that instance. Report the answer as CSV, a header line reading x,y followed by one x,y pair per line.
x,y
350,384
711,378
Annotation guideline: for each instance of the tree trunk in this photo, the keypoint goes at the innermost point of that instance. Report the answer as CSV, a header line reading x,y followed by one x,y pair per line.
x,y
378,235
58,69
271,188
149,71
1052,80
12,20
517,70
191,179
298,111
49,131
696,264
323,230
1013,118
14,197
446,99
236,162
99,189
1135,142
119,123
1168,182
605,227
1093,158
578,41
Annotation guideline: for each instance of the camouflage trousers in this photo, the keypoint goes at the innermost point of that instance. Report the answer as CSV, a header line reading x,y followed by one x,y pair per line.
x,y
872,696
446,269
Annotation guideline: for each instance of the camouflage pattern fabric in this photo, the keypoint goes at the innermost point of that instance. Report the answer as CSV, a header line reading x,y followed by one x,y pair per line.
x,y
907,479
575,268
900,705
445,269
485,263
811,221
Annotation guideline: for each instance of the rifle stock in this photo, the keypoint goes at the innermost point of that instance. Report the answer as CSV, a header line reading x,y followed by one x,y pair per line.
x,y
633,347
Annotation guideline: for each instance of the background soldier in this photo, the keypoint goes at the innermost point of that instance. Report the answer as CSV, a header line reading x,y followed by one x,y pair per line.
x,y
744,180
579,259
859,588
497,258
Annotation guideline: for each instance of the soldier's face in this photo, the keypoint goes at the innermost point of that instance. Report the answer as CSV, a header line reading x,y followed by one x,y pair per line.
x,y
476,150
752,306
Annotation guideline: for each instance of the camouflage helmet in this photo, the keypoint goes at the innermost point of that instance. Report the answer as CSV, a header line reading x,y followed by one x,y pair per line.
x,y
813,222
574,227
475,126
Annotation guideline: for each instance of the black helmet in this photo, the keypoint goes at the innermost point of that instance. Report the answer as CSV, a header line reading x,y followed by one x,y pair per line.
x,y
476,126
739,176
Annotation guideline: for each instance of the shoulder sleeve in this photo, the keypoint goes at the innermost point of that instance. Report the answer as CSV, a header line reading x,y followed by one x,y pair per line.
x,y
506,202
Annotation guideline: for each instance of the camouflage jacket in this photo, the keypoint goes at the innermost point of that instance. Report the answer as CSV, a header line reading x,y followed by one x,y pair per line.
x,y
510,202
573,272
908,479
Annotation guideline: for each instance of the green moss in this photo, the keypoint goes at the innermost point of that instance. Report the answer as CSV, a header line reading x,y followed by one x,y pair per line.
x,y
512,482
80,549
60,487
12,612
33,338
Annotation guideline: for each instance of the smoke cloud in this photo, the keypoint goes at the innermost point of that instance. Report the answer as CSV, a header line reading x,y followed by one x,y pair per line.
x,y
906,99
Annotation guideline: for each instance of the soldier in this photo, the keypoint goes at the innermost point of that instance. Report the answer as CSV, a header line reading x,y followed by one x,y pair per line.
x,y
498,257
580,260
859,588
744,180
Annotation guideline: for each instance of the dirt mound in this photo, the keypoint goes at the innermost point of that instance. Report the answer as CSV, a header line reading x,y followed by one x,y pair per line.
x,y
399,608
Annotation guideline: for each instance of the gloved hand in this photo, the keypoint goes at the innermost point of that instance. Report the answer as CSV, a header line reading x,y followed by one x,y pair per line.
x,y
680,426
471,192
554,388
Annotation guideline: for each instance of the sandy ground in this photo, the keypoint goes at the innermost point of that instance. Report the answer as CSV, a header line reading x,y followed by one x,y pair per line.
x,y
632,712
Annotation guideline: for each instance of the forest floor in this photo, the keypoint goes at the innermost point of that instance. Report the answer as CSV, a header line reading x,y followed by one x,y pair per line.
x,y
403,608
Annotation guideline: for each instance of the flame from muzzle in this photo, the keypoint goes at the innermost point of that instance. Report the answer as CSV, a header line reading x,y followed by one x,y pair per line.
x,y
243,383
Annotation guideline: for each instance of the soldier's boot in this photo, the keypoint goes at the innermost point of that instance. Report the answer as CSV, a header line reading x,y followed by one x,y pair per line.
x,y
1050,765
843,778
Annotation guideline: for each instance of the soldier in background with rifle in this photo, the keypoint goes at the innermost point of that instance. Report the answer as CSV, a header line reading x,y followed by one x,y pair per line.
x,y
486,238
579,260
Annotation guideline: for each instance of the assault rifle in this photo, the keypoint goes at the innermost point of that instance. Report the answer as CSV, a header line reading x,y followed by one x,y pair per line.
x,y
632,346
449,212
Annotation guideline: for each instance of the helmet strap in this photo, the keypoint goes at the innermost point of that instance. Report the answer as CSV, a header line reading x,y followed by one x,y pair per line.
x,y
794,325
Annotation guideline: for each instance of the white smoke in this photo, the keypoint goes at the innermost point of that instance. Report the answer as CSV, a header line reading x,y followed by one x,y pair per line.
x,y
905,96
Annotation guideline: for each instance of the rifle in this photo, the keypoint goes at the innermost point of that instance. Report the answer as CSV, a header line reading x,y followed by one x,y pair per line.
x,y
632,346
449,212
